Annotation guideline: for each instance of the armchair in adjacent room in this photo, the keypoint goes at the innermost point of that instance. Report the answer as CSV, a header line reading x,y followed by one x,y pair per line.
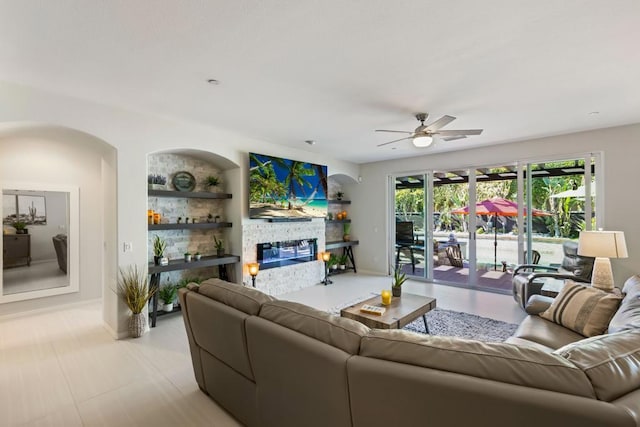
x,y
528,279
60,245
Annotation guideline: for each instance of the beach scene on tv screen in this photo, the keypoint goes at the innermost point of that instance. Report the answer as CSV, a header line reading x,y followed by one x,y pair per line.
x,y
283,188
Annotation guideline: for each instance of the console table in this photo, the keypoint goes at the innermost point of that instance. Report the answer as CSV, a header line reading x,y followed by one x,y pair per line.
x,y
180,264
346,249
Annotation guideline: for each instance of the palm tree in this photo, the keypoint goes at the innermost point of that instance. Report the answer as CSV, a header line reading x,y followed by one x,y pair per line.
x,y
296,173
264,184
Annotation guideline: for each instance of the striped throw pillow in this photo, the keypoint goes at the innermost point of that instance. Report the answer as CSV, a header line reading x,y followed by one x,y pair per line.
x,y
583,309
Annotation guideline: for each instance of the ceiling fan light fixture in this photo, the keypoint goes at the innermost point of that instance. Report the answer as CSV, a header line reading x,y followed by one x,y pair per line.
x,y
422,141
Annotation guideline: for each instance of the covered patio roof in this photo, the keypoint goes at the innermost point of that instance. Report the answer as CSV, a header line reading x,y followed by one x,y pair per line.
x,y
489,174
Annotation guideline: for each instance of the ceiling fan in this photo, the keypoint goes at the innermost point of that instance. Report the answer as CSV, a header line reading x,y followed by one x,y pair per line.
x,y
422,136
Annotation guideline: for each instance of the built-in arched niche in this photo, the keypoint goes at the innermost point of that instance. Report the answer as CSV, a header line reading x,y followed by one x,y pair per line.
x,y
59,185
181,169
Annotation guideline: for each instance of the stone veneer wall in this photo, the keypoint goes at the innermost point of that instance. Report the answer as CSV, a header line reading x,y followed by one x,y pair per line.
x,y
181,241
276,281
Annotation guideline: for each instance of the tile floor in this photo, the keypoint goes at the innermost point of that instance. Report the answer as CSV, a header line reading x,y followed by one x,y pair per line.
x,y
62,368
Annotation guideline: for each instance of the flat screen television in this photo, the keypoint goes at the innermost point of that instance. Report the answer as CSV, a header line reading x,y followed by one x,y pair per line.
x,y
286,189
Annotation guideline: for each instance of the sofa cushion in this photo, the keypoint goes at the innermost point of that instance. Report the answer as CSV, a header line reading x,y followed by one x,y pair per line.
x,y
506,363
583,309
548,334
339,332
247,300
612,362
628,315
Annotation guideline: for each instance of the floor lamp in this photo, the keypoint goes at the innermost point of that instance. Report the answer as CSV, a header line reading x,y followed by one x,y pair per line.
x,y
602,245
326,256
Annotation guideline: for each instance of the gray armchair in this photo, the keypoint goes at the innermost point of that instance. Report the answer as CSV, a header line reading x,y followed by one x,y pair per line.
x,y
60,245
528,280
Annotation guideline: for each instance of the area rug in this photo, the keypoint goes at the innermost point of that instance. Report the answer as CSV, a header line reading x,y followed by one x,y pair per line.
x,y
456,324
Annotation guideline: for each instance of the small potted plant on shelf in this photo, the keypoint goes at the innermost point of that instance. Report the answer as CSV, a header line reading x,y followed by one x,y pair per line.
x,y
187,257
211,182
333,262
21,227
342,261
197,256
159,245
157,182
396,282
346,227
219,246
168,294
133,288
210,218
339,195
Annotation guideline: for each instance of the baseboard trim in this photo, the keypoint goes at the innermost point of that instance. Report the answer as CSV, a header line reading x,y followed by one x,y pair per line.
x,y
49,309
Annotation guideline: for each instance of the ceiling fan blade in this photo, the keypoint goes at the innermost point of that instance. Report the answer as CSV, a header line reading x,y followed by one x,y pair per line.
x,y
391,142
453,132
453,138
394,131
440,123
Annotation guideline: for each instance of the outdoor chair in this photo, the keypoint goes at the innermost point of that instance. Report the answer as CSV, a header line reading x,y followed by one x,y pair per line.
x,y
455,256
405,240
535,257
528,279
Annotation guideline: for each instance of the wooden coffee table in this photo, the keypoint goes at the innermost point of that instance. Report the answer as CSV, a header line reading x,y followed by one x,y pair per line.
x,y
402,311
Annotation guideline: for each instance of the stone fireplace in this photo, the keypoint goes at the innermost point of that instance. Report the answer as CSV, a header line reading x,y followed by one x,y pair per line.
x,y
288,252
290,274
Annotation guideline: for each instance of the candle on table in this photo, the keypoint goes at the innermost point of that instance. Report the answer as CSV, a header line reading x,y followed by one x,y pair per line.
x,y
386,297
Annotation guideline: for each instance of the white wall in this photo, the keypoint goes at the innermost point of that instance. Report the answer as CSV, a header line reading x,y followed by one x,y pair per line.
x,y
50,155
620,147
134,135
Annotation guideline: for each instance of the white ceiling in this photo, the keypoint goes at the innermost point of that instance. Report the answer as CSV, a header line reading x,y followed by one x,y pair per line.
x,y
333,71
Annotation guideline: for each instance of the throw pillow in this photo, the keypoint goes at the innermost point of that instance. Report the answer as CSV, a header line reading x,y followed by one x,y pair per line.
x,y
583,309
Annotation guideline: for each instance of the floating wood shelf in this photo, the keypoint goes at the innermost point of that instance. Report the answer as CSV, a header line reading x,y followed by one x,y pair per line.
x,y
339,202
198,225
205,261
188,194
340,244
337,221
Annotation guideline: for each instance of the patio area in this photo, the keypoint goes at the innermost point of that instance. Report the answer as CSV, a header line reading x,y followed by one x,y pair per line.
x,y
487,278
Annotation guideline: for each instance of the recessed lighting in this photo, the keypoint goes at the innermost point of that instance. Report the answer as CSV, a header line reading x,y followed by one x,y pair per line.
x,y
593,113
310,141
213,82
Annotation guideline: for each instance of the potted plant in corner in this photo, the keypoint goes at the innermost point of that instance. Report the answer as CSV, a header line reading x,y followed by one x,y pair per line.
x,y
21,227
134,290
168,294
159,245
396,283
219,246
211,182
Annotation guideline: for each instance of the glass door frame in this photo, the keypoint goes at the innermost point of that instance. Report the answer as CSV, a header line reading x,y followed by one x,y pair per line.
x,y
524,240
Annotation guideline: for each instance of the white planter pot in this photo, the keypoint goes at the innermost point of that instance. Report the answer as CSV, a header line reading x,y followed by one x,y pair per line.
x,y
343,267
167,307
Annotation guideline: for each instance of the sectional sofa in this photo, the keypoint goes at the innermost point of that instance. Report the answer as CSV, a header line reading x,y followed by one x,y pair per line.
x,y
278,363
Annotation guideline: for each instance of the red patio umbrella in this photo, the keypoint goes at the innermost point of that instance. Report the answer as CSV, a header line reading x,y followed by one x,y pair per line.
x,y
497,206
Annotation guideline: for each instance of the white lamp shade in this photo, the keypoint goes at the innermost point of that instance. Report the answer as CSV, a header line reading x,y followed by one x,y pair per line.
x,y
422,141
606,244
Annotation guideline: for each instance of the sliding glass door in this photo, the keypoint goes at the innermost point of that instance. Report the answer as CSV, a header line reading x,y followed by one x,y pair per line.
x,y
471,227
